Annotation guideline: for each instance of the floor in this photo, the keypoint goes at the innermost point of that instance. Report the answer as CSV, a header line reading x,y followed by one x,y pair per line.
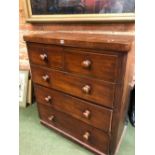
x,y
35,139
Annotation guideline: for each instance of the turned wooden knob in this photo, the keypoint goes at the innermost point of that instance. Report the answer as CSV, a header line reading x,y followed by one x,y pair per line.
x,y
86,89
51,118
43,56
45,77
86,136
48,98
86,114
86,64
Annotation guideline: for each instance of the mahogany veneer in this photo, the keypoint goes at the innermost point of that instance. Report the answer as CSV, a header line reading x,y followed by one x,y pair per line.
x,y
92,114
82,85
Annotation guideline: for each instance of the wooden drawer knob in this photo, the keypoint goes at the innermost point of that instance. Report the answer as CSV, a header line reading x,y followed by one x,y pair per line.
x,y
86,64
48,98
43,56
86,114
86,89
86,136
45,77
51,118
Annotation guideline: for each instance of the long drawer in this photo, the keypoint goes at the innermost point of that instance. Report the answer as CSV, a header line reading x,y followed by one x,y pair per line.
x,y
102,66
89,135
92,114
45,55
93,90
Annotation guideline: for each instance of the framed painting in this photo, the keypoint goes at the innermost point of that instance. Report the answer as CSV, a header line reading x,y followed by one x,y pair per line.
x,y
79,10
23,87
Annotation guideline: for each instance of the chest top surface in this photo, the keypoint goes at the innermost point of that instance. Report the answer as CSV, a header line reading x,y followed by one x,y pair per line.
x,y
120,43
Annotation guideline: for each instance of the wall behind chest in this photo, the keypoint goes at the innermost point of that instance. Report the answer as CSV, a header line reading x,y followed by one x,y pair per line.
x,y
26,28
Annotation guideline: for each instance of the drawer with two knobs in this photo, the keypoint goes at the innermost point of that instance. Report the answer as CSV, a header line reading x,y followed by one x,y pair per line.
x,y
98,91
87,112
81,132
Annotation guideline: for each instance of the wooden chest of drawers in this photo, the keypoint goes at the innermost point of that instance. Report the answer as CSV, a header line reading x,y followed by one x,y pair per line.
x,y
81,85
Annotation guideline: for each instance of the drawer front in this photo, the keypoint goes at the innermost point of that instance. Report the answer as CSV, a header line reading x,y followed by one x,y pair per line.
x,y
93,90
83,132
45,55
102,66
96,116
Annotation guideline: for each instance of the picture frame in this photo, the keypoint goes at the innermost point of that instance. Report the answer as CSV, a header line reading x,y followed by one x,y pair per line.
x,y
39,11
23,87
29,92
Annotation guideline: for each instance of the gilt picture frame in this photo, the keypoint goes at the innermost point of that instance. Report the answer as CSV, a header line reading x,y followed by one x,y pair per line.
x,y
80,10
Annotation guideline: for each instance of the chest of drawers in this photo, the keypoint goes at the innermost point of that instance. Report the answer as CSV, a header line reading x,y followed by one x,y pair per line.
x,y
81,85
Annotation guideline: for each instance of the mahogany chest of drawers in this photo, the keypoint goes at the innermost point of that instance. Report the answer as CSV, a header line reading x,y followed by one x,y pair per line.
x,y
81,85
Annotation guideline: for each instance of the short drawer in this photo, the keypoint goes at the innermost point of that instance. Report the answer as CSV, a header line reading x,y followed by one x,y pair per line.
x,y
89,135
45,55
102,66
93,90
92,114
